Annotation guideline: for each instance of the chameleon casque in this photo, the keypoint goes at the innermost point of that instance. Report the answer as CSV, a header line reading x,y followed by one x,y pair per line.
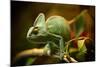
x,y
53,33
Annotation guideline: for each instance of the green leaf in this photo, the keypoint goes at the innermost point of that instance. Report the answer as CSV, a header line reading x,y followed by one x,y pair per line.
x,y
72,50
30,61
82,50
80,23
79,26
81,45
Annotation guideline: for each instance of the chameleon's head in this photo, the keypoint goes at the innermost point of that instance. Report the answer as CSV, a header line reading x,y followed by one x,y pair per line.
x,y
36,33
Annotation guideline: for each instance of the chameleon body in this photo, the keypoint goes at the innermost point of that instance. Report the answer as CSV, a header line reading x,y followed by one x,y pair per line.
x,y
55,30
59,26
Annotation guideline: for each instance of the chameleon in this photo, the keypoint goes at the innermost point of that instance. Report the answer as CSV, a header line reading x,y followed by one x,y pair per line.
x,y
54,31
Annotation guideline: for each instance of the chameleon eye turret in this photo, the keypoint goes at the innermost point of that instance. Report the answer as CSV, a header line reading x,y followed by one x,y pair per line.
x,y
32,30
35,30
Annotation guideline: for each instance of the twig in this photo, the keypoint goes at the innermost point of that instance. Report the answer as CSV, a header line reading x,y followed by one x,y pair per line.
x,y
69,59
67,43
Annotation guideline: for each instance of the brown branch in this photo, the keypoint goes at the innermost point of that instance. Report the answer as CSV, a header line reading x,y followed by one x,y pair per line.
x,y
32,52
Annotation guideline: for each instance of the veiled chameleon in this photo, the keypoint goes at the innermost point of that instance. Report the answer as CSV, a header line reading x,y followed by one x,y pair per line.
x,y
54,31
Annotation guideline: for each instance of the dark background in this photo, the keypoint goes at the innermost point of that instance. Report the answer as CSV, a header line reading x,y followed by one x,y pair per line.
x,y
23,15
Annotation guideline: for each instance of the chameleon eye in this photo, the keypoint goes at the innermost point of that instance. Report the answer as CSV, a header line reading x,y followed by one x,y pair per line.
x,y
35,30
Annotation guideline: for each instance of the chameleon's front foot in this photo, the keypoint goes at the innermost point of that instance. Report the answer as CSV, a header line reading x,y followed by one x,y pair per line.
x,y
47,50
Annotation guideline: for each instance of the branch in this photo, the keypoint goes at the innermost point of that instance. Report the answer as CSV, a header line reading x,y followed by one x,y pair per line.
x,y
32,52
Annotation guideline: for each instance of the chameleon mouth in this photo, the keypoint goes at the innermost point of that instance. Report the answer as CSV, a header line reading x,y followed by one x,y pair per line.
x,y
36,39
39,42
